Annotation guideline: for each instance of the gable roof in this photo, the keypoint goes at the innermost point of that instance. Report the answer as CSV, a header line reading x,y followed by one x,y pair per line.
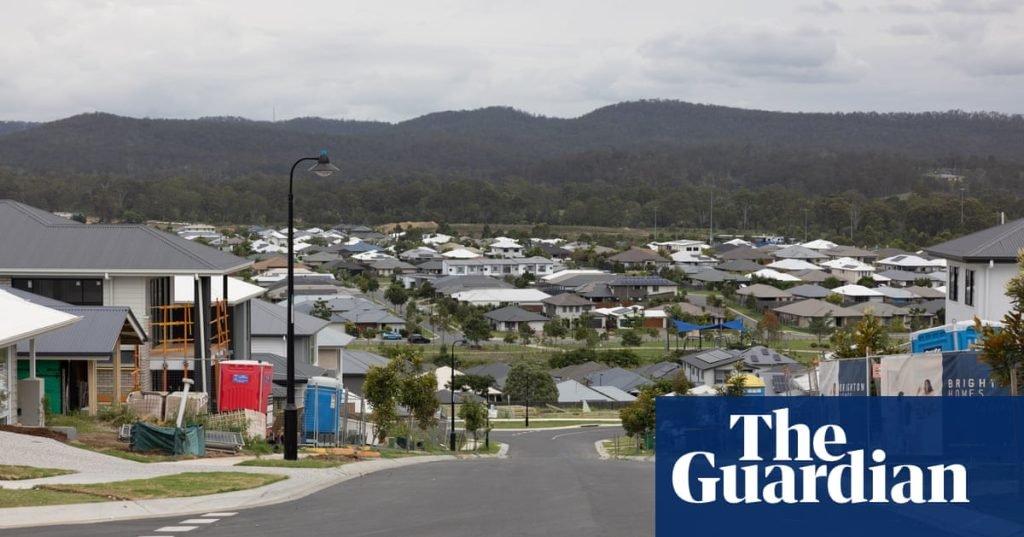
x,y
926,292
566,299
739,265
1000,244
760,356
638,255
270,320
809,291
815,308
498,371
578,371
572,391
23,319
798,252
93,336
745,252
514,314
303,371
763,292
356,362
658,371
811,276
622,379
37,242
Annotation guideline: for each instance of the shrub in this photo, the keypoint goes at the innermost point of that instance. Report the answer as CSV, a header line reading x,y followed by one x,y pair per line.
x,y
117,414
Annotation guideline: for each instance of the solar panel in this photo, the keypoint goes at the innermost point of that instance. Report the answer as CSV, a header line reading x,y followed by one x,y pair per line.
x,y
779,383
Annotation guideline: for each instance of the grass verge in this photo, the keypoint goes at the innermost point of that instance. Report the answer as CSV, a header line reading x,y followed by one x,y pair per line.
x,y
35,497
128,455
14,473
625,447
171,486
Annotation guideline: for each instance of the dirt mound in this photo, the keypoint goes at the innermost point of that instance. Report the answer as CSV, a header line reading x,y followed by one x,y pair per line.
x,y
35,431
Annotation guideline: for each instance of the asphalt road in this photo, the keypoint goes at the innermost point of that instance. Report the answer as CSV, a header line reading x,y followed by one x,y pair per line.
x,y
551,484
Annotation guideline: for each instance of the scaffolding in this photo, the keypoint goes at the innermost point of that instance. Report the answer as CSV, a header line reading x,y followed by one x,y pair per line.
x,y
173,327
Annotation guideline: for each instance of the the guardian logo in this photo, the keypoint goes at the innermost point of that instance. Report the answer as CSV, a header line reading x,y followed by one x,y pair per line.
x,y
844,474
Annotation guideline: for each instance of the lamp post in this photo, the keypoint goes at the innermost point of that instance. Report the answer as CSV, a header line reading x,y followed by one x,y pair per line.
x,y
451,390
323,168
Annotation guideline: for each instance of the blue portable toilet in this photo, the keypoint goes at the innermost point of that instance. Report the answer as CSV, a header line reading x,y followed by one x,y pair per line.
x,y
322,412
956,336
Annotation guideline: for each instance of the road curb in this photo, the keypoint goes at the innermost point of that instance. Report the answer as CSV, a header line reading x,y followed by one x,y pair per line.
x,y
588,426
287,490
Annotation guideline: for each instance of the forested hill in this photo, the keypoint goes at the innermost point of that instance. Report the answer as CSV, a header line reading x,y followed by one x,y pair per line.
x,y
489,142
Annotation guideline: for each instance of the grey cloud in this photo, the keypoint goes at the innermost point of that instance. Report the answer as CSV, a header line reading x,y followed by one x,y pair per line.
x,y
804,55
824,7
978,7
910,29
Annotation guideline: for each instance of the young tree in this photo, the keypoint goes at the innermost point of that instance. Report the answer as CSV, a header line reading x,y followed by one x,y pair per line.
x,y
527,382
478,384
835,299
525,333
734,386
821,327
396,294
769,327
555,329
381,389
425,291
321,310
474,414
638,419
476,328
831,282
632,338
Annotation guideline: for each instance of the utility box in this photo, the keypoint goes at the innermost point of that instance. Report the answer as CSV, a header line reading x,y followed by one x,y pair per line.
x,y
30,402
244,385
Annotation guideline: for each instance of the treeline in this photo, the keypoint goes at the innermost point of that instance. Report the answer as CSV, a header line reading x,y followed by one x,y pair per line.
x,y
918,218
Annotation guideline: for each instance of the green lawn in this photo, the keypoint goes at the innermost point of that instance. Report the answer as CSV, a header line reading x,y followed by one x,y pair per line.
x,y
625,447
171,486
35,497
13,473
301,463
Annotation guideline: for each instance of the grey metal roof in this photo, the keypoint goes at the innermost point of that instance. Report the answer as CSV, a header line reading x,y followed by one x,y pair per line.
x,y
900,275
270,320
926,292
497,371
850,251
38,242
572,391
657,371
711,359
811,275
798,252
355,363
809,291
92,337
740,265
613,393
759,356
453,284
638,255
566,299
813,307
578,371
745,252
1000,244
895,293
303,371
623,281
622,379
367,317
763,291
596,290
880,309
514,314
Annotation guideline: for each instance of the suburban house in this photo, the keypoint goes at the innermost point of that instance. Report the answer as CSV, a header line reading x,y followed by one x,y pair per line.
x,y
802,313
639,288
764,296
567,306
712,367
355,365
799,252
914,263
269,330
979,267
639,258
682,245
505,248
808,291
531,299
78,362
622,379
130,266
387,267
22,400
858,293
858,254
538,266
848,269
510,318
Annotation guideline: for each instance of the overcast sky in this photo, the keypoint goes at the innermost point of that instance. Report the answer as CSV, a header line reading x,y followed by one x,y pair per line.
x,y
394,60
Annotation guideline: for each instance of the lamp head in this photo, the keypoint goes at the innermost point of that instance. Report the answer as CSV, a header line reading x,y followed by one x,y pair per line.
x,y
323,166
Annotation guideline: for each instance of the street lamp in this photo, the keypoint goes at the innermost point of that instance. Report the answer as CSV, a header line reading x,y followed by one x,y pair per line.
x,y
451,390
323,168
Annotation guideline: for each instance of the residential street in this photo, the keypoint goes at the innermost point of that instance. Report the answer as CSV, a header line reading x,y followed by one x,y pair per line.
x,y
551,484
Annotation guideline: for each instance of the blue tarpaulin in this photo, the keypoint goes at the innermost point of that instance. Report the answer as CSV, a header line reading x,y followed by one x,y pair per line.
x,y
731,325
686,327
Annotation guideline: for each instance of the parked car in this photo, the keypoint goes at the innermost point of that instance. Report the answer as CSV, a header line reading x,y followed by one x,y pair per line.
x,y
391,336
418,338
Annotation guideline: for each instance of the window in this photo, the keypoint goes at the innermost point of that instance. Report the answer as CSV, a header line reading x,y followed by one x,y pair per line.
x,y
969,287
79,292
954,281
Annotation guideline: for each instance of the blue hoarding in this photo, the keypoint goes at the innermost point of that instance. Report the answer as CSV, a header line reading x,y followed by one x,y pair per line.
x,y
838,466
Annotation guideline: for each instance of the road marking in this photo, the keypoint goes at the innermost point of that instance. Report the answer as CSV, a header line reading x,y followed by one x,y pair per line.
x,y
556,437
220,514
199,521
176,529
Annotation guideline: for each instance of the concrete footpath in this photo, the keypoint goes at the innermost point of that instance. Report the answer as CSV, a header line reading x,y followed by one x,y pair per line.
x,y
300,482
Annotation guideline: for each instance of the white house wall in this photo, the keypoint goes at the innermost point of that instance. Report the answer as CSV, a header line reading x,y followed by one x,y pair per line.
x,y
990,300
